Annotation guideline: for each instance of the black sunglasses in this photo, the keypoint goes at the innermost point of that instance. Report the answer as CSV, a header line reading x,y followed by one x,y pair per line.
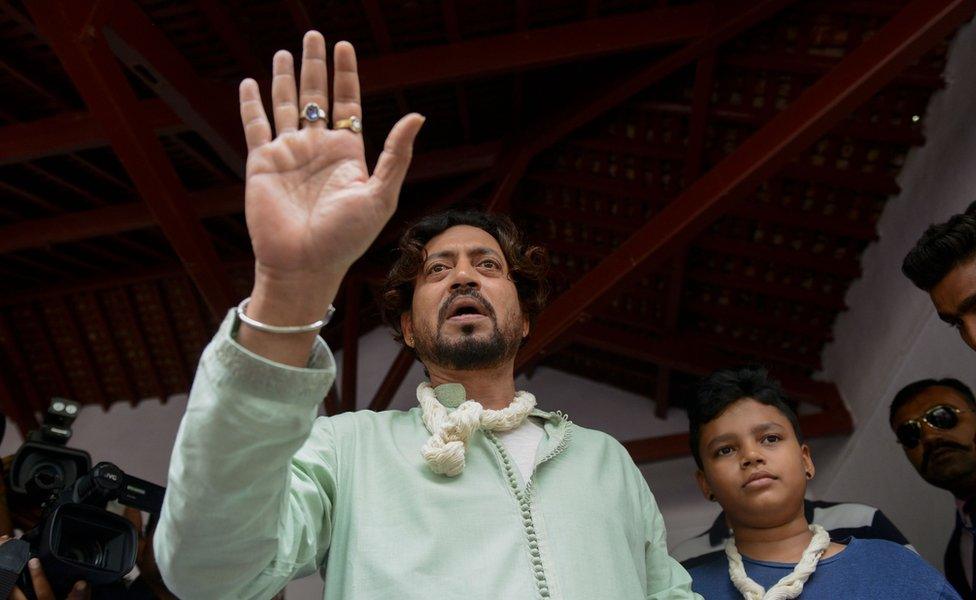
x,y
942,416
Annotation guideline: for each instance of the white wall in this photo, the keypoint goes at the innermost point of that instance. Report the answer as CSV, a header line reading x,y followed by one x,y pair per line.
x,y
890,335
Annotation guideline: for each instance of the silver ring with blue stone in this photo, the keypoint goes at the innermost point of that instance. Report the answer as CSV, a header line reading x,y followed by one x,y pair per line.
x,y
312,112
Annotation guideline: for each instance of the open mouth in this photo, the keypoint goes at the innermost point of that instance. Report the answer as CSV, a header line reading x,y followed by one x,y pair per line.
x,y
466,309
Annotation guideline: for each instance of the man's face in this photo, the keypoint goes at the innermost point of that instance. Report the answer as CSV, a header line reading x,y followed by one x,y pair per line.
x,y
754,464
946,458
955,300
465,312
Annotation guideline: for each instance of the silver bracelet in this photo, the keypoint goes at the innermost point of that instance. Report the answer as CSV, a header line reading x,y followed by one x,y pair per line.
x,y
277,329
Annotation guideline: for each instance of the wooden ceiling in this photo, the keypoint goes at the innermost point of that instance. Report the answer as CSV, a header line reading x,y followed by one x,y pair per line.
x,y
706,176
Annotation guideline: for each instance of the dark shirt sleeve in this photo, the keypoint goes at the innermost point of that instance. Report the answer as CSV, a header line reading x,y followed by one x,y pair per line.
x,y
884,529
880,528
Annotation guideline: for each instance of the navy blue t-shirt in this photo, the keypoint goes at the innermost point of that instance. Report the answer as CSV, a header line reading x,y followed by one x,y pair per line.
x,y
865,569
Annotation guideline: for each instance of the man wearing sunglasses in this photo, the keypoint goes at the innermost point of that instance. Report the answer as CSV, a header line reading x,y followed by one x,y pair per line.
x,y
935,424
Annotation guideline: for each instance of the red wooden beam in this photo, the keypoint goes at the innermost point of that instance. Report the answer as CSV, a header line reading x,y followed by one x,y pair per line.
x,y
152,57
423,66
733,19
917,27
535,48
101,83
677,353
906,134
73,131
391,383
222,22
836,421
810,65
223,200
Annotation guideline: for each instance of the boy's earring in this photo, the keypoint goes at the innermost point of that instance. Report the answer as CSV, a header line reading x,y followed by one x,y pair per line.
x,y
809,475
711,497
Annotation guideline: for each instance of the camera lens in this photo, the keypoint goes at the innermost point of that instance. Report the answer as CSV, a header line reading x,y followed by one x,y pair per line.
x,y
89,552
48,476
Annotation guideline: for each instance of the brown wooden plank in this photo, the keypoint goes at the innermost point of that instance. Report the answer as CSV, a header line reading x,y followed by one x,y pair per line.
x,y
100,81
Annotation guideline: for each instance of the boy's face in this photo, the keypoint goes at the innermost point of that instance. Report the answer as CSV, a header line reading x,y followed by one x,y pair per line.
x,y
754,464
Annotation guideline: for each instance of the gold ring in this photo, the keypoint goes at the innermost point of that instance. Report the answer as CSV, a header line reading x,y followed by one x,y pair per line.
x,y
312,112
353,124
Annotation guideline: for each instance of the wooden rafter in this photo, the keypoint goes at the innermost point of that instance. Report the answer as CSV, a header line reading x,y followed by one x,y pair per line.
x,y
534,48
223,200
152,57
821,424
679,353
222,22
76,130
99,79
913,30
736,18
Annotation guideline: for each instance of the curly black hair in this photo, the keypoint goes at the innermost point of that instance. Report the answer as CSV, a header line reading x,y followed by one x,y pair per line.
x,y
941,248
527,264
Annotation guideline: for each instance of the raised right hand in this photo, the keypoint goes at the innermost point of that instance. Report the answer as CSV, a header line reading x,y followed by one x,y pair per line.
x,y
312,207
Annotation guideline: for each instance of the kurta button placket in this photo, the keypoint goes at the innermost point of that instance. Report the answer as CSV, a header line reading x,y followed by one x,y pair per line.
x,y
525,507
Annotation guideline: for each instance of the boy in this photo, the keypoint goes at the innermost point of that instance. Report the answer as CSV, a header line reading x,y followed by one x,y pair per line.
x,y
752,460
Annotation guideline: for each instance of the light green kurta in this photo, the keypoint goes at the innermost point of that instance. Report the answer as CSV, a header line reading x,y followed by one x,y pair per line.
x,y
261,492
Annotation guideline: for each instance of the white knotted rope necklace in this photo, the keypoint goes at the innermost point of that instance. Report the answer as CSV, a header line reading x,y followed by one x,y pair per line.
x,y
450,430
788,587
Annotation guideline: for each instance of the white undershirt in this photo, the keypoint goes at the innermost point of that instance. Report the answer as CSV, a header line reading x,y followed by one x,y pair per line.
x,y
522,444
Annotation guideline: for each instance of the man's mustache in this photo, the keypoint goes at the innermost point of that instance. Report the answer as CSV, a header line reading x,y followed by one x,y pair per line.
x,y
931,448
473,293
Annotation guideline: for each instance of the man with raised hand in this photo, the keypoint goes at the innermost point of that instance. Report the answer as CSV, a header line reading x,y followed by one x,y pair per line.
x,y
476,493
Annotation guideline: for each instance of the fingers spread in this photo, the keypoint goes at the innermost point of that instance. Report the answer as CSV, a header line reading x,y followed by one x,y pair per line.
x,y
257,130
346,98
283,97
391,167
315,74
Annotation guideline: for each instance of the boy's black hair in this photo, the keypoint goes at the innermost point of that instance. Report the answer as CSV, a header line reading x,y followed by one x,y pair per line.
x,y
940,249
725,387
913,389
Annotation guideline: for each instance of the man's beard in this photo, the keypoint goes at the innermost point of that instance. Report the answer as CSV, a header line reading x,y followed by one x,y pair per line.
x,y
471,351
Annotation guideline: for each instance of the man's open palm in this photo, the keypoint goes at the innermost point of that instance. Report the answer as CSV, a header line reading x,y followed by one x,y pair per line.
x,y
312,207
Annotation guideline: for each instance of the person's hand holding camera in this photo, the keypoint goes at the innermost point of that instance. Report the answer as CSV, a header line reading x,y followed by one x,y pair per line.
x,y
42,588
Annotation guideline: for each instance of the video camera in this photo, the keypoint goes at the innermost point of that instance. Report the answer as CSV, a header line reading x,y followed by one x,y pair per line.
x,y
76,538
